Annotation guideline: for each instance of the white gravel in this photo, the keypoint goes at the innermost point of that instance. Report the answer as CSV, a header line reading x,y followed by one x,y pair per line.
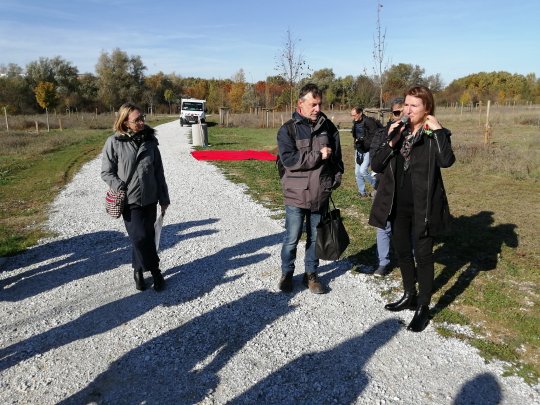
x,y
75,330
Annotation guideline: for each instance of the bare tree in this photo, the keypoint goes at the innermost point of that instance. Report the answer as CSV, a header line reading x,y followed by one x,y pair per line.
x,y
290,64
378,55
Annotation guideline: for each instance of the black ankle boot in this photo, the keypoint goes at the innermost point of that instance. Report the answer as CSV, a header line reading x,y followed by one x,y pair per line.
x,y
420,319
408,301
139,279
159,281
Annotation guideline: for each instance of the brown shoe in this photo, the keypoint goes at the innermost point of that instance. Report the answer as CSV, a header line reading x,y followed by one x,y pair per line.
x,y
286,282
312,282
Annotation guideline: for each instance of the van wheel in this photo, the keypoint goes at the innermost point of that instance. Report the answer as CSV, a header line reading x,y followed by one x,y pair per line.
x,y
181,123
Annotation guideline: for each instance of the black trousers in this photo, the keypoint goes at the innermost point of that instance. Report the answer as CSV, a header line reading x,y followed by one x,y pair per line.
x,y
411,249
139,223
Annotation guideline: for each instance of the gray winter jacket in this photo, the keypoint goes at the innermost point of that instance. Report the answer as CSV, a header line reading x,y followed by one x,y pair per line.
x,y
309,180
121,154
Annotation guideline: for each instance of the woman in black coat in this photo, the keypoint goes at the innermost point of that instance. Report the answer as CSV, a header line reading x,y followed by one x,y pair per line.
x,y
411,195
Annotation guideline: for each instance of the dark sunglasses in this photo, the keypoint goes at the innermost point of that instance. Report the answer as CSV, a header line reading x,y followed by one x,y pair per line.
x,y
396,113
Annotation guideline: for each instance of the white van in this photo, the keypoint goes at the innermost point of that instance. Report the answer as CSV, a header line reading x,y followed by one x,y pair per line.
x,y
192,111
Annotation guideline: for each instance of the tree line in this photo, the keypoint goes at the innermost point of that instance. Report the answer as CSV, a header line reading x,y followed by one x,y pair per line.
x,y
55,83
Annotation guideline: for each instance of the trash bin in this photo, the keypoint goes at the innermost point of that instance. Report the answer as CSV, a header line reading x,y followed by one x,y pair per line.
x,y
199,134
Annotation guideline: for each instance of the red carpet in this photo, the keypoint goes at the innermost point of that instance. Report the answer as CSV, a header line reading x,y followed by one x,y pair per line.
x,y
232,155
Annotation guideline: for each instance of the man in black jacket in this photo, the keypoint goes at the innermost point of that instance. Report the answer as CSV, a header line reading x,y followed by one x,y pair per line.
x,y
363,130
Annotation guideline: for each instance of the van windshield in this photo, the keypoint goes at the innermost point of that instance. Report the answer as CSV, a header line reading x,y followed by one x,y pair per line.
x,y
190,106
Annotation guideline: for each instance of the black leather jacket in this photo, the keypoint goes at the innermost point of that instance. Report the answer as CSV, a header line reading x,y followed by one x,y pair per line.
x,y
428,156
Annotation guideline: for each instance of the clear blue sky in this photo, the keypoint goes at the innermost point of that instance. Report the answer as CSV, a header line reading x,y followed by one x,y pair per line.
x,y
215,38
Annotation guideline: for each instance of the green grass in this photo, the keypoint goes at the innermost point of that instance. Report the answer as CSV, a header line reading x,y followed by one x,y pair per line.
x,y
33,169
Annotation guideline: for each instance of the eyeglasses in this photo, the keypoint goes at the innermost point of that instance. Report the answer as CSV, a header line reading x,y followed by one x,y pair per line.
x,y
140,118
396,113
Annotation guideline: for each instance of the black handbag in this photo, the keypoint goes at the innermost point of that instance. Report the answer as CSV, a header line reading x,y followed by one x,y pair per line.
x,y
332,237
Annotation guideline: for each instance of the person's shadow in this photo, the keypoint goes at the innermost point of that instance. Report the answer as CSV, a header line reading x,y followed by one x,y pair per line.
x,y
482,390
331,376
183,365
473,243
63,261
184,283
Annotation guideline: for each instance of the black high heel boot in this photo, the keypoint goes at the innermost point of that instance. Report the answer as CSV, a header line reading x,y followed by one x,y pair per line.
x,y
159,281
420,319
139,279
408,301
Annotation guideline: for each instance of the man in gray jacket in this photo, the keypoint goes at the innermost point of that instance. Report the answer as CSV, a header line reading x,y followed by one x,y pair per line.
x,y
310,151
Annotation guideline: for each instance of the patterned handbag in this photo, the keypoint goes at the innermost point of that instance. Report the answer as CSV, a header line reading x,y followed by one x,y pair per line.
x,y
115,200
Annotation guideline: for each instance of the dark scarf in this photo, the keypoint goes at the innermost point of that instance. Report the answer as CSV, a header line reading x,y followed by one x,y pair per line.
x,y
408,144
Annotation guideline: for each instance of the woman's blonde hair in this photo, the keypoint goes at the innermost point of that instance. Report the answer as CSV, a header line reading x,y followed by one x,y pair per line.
x,y
123,114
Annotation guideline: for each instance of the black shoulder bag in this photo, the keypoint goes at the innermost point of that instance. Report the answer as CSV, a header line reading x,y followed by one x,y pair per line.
x,y
332,237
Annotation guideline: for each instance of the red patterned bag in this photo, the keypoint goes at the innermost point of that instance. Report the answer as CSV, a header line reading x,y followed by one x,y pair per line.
x,y
114,202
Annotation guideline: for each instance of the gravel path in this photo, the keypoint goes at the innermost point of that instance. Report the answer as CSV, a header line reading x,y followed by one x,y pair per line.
x,y
74,329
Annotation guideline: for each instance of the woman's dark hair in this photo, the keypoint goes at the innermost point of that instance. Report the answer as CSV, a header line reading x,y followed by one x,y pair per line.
x,y
424,94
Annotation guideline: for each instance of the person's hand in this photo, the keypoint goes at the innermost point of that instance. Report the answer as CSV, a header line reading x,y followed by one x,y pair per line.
x,y
325,152
431,122
392,142
163,208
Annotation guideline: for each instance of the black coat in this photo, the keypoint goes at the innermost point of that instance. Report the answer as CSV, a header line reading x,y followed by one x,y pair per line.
x,y
428,156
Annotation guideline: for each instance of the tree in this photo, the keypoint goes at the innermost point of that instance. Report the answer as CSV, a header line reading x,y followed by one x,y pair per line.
x,y
400,77
169,96
15,94
291,64
238,87
366,92
378,54
46,97
88,91
120,78
61,73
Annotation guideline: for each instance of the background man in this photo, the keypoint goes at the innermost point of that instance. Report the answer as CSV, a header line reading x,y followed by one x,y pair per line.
x,y
384,235
363,130
310,151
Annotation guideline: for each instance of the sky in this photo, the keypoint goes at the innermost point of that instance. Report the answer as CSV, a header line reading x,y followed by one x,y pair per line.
x,y
217,38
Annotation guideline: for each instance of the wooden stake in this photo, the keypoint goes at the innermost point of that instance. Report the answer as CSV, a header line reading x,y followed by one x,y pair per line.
x,y
7,124
487,130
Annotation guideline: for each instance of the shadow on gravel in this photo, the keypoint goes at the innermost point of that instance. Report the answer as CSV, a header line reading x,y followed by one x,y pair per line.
x,y
69,260
331,376
81,256
183,365
185,282
483,389
172,234
474,243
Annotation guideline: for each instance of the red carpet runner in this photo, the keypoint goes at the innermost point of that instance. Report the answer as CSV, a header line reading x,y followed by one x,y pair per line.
x,y
232,155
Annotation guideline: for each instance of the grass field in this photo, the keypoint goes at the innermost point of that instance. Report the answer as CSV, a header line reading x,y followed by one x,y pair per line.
x,y
487,269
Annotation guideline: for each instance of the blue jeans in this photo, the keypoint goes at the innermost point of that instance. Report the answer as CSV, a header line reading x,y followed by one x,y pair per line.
x,y
383,244
362,174
294,224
